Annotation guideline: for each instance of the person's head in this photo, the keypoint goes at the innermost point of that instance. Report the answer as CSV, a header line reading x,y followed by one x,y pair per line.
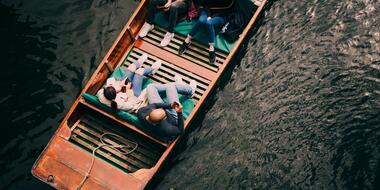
x,y
157,115
110,94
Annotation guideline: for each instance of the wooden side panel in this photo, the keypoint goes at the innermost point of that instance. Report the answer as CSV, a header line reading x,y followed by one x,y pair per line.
x,y
68,164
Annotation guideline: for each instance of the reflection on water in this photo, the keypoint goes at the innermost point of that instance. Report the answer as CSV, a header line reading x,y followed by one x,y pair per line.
x,y
301,110
48,49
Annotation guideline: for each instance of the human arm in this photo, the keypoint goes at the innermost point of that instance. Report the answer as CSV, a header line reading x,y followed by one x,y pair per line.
x,y
178,109
167,5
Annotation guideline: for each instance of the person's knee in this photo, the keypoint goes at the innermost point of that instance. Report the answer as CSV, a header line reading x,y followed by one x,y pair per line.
x,y
203,19
209,22
132,67
150,88
173,7
140,71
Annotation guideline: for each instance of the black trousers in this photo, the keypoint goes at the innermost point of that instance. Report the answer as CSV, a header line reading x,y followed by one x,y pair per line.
x,y
177,8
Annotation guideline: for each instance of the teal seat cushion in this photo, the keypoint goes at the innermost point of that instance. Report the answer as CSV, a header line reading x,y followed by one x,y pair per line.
x,y
184,27
131,118
187,103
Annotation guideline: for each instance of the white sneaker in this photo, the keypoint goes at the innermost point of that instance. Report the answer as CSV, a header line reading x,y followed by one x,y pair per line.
x,y
142,58
178,79
193,86
168,37
155,66
145,29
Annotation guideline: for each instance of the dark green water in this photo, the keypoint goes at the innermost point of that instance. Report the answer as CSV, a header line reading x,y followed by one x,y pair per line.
x,y
300,111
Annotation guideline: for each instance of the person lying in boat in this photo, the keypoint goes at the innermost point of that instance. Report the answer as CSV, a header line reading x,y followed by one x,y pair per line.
x,y
165,119
176,8
212,14
127,94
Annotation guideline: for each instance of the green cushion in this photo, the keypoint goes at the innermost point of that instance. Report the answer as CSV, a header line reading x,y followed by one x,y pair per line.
x,y
184,28
122,114
187,103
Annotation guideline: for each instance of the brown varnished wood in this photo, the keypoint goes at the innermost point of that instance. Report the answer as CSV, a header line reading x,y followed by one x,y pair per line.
x,y
174,59
68,163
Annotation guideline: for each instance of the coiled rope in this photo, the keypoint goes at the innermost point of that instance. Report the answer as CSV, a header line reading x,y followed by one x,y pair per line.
x,y
118,148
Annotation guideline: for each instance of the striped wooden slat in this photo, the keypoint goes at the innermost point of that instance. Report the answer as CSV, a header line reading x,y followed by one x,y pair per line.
x,y
197,45
136,154
167,71
77,139
200,60
178,69
109,151
145,147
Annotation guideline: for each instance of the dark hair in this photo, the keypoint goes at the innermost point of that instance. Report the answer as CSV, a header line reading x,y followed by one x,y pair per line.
x,y
127,81
113,106
110,94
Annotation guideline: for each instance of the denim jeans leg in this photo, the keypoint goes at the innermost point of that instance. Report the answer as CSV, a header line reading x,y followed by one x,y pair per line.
x,y
137,83
184,89
177,8
147,71
211,23
153,91
130,74
201,21
172,95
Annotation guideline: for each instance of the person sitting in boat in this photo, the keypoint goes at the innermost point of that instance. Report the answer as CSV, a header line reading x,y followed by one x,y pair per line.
x,y
127,94
176,8
165,119
212,14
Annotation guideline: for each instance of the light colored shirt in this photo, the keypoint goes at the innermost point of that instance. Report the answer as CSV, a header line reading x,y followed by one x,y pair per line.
x,y
125,101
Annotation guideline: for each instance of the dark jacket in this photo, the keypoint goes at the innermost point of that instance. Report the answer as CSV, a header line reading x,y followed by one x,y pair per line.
x,y
168,128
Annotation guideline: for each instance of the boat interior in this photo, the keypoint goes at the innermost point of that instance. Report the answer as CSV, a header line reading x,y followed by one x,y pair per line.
x,y
91,119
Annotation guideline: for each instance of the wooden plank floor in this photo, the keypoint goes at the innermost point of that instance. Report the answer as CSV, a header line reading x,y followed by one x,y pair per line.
x,y
167,72
88,132
197,53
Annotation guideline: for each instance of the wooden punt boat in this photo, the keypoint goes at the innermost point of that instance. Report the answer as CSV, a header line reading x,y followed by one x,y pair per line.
x,y
65,161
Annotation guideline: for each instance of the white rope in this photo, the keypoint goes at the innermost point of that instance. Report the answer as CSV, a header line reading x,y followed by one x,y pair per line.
x,y
115,147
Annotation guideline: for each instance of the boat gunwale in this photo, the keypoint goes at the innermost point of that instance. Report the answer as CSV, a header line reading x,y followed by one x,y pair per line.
x,y
155,169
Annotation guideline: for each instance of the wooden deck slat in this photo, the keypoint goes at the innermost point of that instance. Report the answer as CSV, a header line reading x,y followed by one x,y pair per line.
x,y
113,152
102,153
177,69
176,43
194,43
169,73
163,80
200,51
175,60
149,149
123,122
137,154
200,60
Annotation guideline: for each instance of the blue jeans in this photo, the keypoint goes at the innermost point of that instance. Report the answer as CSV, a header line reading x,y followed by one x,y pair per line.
x,y
172,90
210,25
137,79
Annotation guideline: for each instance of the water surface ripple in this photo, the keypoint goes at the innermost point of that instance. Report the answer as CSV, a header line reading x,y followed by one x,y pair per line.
x,y
300,111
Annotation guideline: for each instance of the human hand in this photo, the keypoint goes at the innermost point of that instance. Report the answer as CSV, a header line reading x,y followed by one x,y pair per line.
x,y
168,4
177,107
123,89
